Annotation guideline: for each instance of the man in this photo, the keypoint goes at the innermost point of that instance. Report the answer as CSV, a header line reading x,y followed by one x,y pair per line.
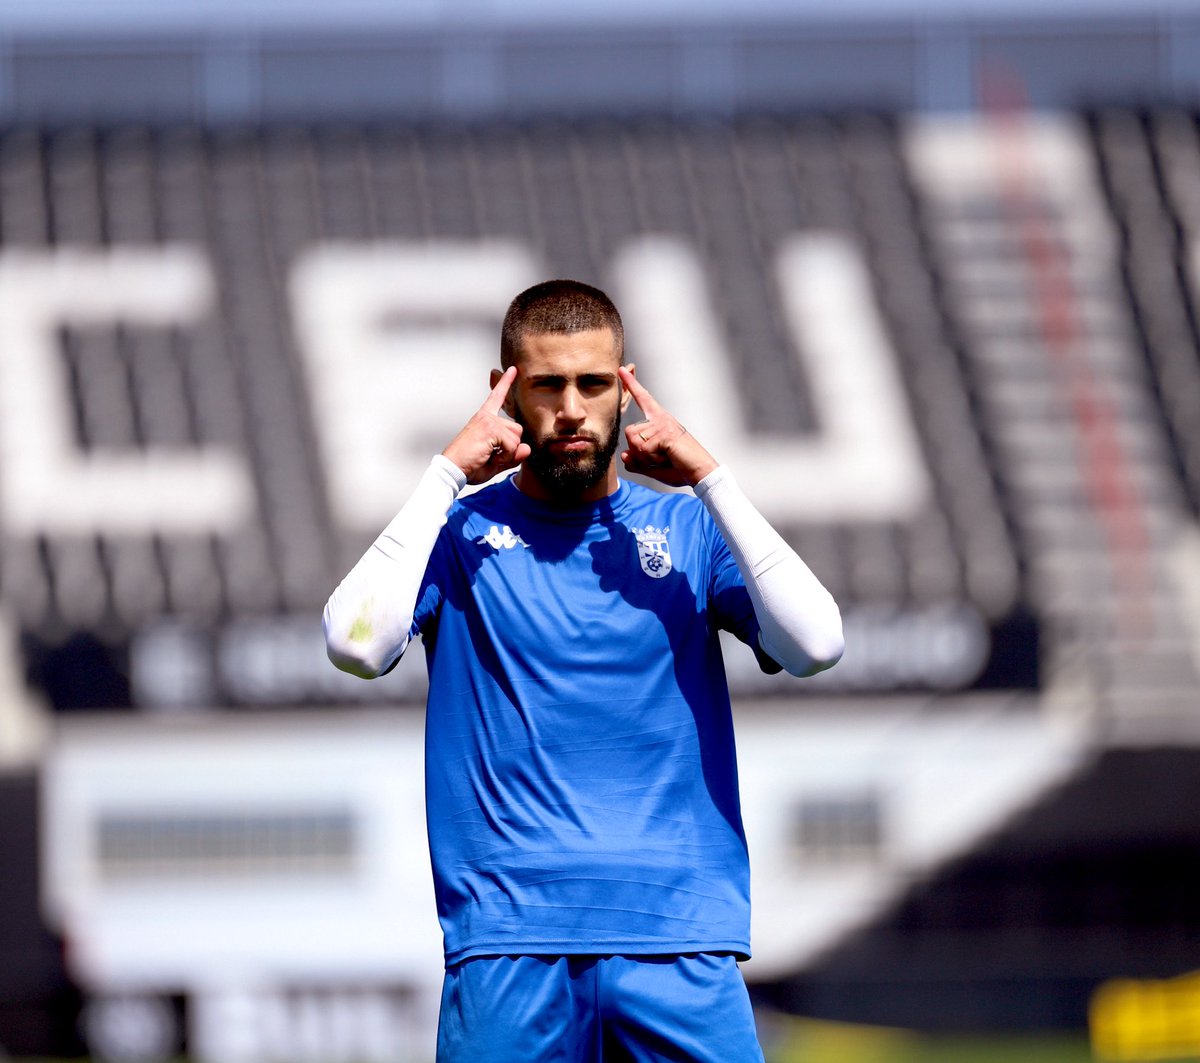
x,y
589,861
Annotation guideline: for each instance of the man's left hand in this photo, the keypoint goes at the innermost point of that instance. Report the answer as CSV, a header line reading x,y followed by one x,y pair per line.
x,y
660,447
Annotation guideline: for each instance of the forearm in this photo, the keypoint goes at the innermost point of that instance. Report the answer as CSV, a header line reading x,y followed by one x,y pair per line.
x,y
801,626
367,619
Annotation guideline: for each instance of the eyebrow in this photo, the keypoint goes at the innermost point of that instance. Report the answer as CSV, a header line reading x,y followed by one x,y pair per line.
x,y
589,374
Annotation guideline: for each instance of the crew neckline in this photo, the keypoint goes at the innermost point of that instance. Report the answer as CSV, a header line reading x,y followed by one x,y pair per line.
x,y
568,514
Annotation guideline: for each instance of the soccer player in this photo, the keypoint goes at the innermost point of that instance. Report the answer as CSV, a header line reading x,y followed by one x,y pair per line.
x,y
589,861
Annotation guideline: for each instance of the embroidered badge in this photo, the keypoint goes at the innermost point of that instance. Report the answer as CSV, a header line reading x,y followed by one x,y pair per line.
x,y
654,552
501,538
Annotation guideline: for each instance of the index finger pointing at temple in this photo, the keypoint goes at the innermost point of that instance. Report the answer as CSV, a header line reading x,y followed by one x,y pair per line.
x,y
495,400
646,402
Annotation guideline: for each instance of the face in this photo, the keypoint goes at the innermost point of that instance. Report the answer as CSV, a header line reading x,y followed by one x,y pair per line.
x,y
569,400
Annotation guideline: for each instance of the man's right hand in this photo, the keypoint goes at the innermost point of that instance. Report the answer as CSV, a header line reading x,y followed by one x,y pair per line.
x,y
489,443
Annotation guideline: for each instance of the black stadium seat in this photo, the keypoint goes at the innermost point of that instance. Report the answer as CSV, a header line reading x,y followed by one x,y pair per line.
x,y
255,201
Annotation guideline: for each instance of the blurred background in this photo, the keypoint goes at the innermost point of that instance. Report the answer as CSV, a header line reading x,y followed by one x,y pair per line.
x,y
924,272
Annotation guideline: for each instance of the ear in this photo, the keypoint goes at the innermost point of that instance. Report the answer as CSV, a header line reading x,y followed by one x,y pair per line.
x,y
625,393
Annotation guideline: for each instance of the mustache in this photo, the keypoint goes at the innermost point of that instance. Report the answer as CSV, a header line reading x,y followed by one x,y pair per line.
x,y
529,437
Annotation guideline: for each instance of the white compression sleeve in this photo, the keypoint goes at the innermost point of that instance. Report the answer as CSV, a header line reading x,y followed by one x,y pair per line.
x,y
801,626
367,619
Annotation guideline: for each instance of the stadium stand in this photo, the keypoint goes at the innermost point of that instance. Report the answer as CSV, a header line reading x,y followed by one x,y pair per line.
x,y
573,194
1148,165
1067,397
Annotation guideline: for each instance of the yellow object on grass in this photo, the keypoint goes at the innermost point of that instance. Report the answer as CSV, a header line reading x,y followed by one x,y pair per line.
x,y
1146,1020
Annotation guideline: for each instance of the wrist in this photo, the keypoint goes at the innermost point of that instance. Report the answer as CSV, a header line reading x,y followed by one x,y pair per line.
x,y
703,471
449,454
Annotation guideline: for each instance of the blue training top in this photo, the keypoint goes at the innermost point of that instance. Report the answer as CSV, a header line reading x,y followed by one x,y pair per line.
x,y
581,777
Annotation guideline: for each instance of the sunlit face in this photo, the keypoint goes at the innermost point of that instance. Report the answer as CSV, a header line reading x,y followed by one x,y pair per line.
x,y
569,400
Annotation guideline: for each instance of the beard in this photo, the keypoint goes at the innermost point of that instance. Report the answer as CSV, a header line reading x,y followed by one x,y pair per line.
x,y
570,474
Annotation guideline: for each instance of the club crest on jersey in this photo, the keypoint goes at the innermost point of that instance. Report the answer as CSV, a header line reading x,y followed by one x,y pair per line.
x,y
654,553
501,538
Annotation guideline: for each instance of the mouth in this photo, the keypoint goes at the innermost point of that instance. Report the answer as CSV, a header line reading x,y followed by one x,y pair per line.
x,y
572,444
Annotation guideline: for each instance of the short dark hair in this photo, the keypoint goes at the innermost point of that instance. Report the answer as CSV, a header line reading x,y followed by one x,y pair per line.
x,y
558,306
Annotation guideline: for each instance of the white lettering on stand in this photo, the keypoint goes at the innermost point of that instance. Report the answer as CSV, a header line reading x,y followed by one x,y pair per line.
x,y
48,483
398,340
864,463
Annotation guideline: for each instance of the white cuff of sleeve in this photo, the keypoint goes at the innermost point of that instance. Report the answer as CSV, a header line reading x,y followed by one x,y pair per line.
x,y
454,474
714,479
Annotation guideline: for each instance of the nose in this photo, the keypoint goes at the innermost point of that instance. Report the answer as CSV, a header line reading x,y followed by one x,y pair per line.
x,y
570,409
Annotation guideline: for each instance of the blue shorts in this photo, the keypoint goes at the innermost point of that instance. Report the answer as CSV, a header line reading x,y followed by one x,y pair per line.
x,y
589,1009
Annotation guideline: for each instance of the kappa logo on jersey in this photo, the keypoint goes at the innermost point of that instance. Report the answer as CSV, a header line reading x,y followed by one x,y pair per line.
x,y
654,552
501,538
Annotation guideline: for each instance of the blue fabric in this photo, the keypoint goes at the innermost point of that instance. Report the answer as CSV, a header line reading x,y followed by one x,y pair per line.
x,y
590,1009
580,767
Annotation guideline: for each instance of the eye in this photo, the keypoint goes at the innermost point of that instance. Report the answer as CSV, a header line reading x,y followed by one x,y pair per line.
x,y
595,383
